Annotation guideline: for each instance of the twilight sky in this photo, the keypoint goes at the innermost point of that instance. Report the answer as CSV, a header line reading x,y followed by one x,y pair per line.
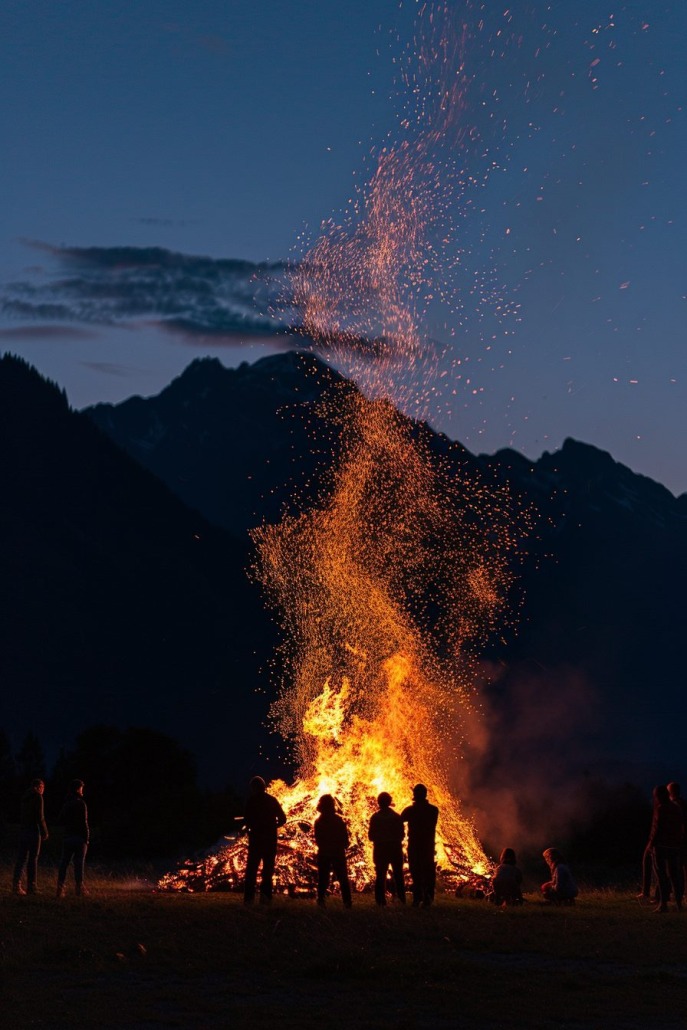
x,y
163,162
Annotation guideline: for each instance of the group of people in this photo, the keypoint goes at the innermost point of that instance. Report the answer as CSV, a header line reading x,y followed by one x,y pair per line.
x,y
506,884
33,831
387,829
665,855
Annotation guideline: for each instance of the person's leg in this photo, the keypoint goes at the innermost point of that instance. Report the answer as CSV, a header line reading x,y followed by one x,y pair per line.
x,y
32,863
341,873
674,870
399,882
380,881
647,871
415,864
430,877
79,861
252,863
22,859
662,877
323,874
65,859
269,857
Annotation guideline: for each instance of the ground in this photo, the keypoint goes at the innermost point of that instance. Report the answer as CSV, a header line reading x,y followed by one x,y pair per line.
x,y
129,957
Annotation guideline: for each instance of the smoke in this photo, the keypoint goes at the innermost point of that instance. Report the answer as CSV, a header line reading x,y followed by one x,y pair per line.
x,y
523,777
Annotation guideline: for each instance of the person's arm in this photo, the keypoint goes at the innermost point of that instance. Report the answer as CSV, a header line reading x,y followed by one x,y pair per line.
x,y
371,830
281,815
41,818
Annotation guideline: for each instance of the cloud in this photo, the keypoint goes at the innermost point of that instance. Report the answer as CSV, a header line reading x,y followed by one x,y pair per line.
x,y
527,762
109,369
118,286
202,300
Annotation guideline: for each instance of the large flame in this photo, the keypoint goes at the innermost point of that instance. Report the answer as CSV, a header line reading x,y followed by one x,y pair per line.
x,y
390,584
386,592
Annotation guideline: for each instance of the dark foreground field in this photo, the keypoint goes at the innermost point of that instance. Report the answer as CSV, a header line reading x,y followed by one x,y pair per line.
x,y
128,957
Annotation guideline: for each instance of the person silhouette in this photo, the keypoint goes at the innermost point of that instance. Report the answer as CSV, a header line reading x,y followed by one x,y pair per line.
x,y
32,832
74,818
561,889
263,815
666,839
675,795
331,837
421,818
648,863
507,881
386,831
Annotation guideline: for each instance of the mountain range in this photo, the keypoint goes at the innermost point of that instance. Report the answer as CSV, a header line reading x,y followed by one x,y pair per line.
x,y
125,596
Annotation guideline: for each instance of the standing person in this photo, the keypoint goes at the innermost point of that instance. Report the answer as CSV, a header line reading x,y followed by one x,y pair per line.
x,y
666,839
648,863
422,818
675,795
32,832
331,837
263,817
386,831
507,882
74,818
561,888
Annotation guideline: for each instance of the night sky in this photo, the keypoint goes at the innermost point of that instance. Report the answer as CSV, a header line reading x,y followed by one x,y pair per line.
x,y
163,161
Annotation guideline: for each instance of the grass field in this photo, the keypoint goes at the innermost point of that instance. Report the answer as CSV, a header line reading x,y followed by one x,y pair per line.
x,y
126,956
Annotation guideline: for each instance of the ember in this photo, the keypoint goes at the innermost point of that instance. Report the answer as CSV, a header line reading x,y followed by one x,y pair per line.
x,y
387,588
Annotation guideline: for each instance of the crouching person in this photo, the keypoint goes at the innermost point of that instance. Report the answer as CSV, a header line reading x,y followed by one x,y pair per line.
x,y
561,889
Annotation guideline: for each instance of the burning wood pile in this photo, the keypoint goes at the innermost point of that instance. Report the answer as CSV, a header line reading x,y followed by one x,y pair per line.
x,y
221,867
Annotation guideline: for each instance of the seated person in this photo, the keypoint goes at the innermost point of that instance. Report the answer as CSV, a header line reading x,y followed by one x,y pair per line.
x,y
507,882
561,888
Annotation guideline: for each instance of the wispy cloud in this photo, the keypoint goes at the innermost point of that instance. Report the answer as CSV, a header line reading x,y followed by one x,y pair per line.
x,y
116,286
203,301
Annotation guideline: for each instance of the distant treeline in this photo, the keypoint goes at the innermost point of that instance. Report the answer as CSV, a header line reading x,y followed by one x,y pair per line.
x,y
141,789
144,801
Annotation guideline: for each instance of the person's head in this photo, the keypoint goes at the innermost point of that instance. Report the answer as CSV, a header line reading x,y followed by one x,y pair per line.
x,y
552,857
674,791
76,786
661,795
38,785
507,857
419,792
384,800
326,805
257,785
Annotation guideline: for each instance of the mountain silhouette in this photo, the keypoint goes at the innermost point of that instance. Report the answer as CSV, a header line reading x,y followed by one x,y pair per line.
x,y
235,444
118,604
597,655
